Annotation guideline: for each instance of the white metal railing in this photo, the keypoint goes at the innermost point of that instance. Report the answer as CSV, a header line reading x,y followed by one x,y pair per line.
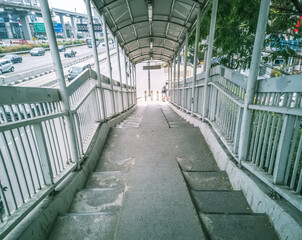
x,y
274,153
35,152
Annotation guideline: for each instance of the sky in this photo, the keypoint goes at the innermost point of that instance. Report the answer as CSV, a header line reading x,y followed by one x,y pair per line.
x,y
70,5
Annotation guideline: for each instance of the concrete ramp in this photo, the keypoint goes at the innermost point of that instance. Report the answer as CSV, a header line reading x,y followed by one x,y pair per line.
x,y
157,203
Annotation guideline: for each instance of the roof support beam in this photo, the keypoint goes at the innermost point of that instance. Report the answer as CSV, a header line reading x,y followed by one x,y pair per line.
x,y
132,20
134,40
171,50
191,12
119,1
147,54
146,58
169,19
146,21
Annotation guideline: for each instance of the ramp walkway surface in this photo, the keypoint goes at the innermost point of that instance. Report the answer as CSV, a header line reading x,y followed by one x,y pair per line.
x,y
157,179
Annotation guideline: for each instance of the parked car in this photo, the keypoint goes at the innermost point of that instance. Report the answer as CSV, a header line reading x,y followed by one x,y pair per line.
x,y
37,52
6,66
70,54
74,71
13,58
62,48
3,44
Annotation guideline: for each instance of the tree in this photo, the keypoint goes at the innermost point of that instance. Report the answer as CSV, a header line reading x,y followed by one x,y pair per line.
x,y
236,27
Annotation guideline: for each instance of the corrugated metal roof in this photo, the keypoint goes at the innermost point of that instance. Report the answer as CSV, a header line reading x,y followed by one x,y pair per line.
x,y
143,35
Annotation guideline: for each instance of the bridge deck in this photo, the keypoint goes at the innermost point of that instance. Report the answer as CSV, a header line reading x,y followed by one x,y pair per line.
x,y
157,179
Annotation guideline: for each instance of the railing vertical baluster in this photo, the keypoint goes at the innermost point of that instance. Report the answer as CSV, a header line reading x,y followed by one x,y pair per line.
x,y
257,140
66,141
296,166
275,145
26,157
44,156
80,138
264,148
9,182
4,201
6,143
260,145
283,148
55,140
270,142
292,149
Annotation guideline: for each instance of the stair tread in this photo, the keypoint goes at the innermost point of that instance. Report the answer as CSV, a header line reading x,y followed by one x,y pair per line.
x,y
197,162
79,227
208,180
221,201
238,226
97,200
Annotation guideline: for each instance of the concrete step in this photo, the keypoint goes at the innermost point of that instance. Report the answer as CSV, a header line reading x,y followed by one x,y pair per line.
x,y
197,162
208,180
80,227
221,201
238,226
97,200
134,120
110,179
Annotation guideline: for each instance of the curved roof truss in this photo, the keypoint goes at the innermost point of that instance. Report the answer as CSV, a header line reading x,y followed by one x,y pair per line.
x,y
146,28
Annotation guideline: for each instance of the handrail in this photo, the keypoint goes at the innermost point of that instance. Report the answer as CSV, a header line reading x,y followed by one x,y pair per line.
x,y
275,150
35,154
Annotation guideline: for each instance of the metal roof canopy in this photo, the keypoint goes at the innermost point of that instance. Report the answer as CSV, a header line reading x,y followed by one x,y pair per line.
x,y
150,28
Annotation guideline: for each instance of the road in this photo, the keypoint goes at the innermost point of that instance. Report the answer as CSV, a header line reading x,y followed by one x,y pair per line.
x,y
35,62
49,80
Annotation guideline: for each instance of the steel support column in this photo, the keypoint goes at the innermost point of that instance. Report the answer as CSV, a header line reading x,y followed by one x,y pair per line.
x,y
185,67
149,80
127,87
174,73
209,58
74,28
178,76
109,62
135,83
63,25
25,27
171,75
60,76
195,58
119,71
252,79
96,57
130,80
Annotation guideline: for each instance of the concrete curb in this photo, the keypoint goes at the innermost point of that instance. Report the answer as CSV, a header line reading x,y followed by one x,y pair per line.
x,y
37,225
286,221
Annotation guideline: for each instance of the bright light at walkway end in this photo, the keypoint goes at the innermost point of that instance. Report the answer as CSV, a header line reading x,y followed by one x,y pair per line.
x,y
150,12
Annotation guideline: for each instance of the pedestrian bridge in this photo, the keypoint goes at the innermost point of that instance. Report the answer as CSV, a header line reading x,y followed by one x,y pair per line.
x,y
220,160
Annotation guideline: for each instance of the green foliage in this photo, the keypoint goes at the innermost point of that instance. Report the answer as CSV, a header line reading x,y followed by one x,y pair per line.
x,y
29,46
236,27
17,48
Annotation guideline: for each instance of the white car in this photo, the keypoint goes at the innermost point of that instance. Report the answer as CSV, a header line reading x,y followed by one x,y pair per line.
x,y
3,44
6,66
